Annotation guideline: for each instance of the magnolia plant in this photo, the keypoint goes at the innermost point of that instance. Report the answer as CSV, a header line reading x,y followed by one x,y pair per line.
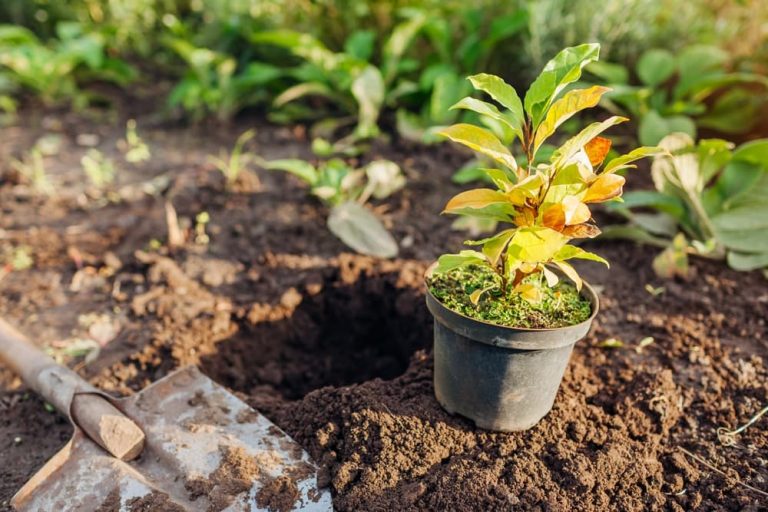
x,y
546,204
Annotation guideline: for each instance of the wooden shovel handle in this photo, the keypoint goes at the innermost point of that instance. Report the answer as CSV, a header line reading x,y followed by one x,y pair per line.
x,y
104,423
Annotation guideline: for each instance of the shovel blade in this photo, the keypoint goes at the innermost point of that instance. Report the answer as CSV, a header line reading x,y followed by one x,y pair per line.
x,y
206,450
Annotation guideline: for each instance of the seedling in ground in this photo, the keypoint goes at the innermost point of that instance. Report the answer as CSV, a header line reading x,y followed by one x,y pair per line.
x,y
236,161
345,190
31,167
514,278
136,150
99,169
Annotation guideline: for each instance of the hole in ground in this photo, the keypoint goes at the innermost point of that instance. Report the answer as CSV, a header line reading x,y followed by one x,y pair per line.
x,y
331,333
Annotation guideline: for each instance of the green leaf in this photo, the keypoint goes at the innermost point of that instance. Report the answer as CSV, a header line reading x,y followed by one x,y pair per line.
x,y
295,166
504,94
653,127
670,205
448,262
743,240
569,252
487,109
614,74
394,48
623,161
301,90
361,230
753,152
573,145
566,107
482,141
743,218
360,44
656,67
563,69
747,261
368,90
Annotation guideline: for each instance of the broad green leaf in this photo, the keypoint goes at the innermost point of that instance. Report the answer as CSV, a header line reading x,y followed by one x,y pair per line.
x,y
482,141
368,90
295,166
486,109
614,74
670,205
734,111
563,69
743,240
573,145
623,161
503,93
753,152
448,262
569,252
570,272
566,107
361,230
656,67
360,44
744,218
535,244
747,261
653,127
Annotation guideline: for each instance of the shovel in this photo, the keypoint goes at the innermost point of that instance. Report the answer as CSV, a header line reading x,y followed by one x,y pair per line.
x,y
183,443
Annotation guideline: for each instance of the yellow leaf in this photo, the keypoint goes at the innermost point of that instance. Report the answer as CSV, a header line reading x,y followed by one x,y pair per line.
x,y
569,271
605,187
525,217
529,292
494,246
482,141
575,211
475,199
550,276
526,189
597,149
565,108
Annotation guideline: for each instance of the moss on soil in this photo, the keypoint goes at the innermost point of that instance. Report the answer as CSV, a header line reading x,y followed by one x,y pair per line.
x,y
561,306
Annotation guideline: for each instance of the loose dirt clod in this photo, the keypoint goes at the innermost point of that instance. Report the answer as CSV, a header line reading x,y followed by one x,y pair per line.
x,y
278,494
236,473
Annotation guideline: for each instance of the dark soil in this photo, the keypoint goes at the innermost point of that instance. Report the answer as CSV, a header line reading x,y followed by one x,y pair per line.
x,y
335,347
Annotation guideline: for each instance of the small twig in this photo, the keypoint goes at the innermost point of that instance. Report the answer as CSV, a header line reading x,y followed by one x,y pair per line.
x,y
728,437
716,470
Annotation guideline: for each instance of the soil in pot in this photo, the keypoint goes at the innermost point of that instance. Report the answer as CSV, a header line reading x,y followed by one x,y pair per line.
x,y
475,292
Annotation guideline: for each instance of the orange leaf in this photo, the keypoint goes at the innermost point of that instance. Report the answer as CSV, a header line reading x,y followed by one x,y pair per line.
x,y
596,150
554,217
525,217
605,187
581,231
477,198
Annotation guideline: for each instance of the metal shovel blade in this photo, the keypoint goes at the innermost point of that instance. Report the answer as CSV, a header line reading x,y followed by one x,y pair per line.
x,y
205,450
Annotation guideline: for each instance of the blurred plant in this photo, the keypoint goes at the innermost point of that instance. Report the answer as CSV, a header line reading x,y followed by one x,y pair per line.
x,y
54,71
346,80
136,150
710,200
679,92
345,190
441,79
215,84
545,203
233,164
99,169
31,167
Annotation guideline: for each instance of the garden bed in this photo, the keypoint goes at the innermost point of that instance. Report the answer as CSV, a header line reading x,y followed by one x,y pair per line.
x,y
335,347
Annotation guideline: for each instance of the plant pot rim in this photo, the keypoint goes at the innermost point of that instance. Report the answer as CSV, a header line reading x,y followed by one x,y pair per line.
x,y
514,337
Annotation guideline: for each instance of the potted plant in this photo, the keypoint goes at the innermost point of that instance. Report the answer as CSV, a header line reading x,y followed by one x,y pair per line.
x,y
508,313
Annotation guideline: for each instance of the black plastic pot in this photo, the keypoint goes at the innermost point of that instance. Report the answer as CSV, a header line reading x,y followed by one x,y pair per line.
x,y
502,378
